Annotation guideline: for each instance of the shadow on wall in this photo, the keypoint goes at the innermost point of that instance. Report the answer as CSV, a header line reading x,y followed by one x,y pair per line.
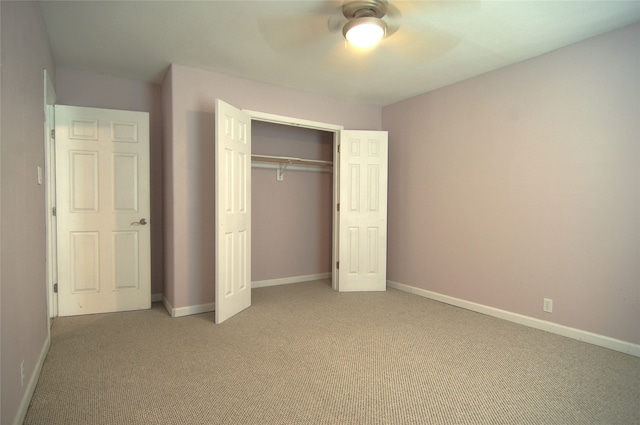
x,y
201,211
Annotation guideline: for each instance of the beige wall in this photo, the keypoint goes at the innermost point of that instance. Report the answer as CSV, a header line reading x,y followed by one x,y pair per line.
x,y
291,225
189,238
83,88
524,183
24,334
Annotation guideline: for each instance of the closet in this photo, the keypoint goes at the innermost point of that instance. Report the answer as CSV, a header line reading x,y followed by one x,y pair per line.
x,y
358,206
292,199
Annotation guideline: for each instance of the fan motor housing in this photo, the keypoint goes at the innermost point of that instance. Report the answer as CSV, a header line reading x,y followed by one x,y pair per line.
x,y
364,9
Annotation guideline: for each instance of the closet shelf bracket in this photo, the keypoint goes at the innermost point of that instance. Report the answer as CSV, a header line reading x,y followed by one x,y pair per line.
x,y
280,173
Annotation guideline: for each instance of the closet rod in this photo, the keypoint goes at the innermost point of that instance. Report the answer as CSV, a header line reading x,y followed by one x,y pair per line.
x,y
290,160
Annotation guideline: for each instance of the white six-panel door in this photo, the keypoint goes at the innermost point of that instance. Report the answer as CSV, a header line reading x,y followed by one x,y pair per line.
x,y
102,202
363,211
233,211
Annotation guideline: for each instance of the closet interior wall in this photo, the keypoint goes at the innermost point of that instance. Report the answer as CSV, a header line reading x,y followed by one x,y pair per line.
x,y
291,218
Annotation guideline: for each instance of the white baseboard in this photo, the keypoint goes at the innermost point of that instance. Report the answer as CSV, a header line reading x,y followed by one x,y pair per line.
x,y
206,308
156,298
188,310
31,385
580,335
288,280
167,305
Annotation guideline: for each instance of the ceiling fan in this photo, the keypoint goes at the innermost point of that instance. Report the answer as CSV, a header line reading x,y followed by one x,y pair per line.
x,y
320,29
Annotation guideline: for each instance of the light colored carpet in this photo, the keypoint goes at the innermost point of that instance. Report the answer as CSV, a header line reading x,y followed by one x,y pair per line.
x,y
304,354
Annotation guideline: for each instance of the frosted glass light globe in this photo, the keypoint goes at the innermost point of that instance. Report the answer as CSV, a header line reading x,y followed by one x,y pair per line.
x,y
365,34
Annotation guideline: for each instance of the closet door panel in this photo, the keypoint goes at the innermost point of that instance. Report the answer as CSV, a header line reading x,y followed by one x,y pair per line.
x,y
363,214
233,211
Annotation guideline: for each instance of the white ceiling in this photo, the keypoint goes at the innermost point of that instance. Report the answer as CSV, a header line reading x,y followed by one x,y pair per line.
x,y
298,44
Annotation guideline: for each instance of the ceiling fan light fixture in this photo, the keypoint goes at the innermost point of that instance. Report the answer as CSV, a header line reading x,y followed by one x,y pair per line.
x,y
364,32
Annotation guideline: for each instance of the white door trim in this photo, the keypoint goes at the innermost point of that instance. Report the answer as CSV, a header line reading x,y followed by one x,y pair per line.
x,y
296,122
50,194
316,125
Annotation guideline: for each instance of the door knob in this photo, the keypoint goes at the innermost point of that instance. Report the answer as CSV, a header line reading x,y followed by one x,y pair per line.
x,y
142,222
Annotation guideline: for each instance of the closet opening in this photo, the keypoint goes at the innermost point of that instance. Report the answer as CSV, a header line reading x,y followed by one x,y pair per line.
x,y
292,199
358,229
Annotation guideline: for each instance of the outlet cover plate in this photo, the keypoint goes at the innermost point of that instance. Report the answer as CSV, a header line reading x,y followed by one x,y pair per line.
x,y
548,305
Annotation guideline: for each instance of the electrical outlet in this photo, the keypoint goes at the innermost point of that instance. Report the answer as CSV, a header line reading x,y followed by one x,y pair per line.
x,y
548,305
22,373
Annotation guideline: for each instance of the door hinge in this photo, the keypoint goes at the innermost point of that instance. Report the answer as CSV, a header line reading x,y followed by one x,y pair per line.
x,y
53,211
338,265
53,133
55,288
338,148
338,207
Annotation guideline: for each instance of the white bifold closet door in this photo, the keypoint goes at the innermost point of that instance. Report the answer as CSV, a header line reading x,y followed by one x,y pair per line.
x,y
362,214
233,211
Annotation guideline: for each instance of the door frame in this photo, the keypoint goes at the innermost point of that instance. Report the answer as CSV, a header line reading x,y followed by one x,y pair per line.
x,y
50,194
332,128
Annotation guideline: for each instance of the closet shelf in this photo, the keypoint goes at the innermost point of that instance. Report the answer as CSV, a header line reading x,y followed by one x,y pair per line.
x,y
291,160
284,161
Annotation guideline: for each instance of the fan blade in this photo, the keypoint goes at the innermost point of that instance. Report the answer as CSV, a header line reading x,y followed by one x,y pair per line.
x,y
422,7
416,46
436,13
418,28
290,33
305,22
